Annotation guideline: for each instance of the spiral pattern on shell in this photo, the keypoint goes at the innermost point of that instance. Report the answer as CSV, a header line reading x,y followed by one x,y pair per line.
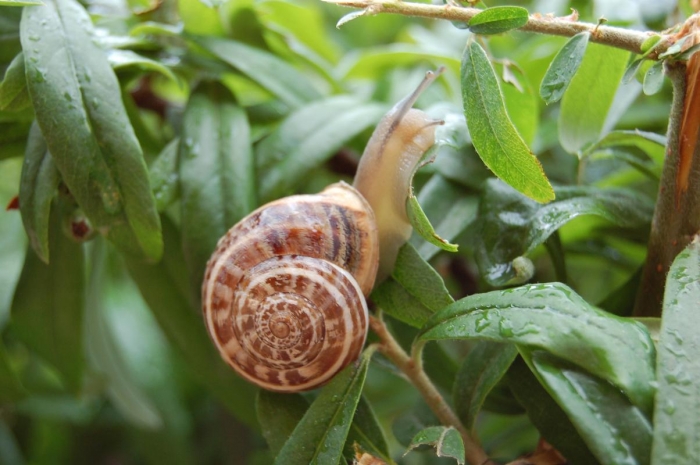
x,y
283,292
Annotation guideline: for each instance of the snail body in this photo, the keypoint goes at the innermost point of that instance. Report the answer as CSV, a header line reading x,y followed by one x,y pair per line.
x,y
284,291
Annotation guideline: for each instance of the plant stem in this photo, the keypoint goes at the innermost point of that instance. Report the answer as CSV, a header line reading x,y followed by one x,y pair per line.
x,y
412,368
613,36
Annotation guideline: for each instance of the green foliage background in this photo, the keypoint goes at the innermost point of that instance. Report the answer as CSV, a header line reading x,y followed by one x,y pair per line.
x,y
136,132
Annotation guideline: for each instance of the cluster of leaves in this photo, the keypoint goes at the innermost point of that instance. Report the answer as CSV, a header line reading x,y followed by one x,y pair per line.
x,y
136,133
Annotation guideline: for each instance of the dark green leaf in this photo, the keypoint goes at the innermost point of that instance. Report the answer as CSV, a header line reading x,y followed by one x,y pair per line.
x,y
278,415
14,95
614,430
164,175
677,413
47,310
104,354
563,68
38,187
654,78
495,138
446,440
590,95
553,317
216,172
411,421
396,301
511,225
320,435
275,75
498,19
551,421
11,389
307,138
421,224
164,287
481,370
366,433
78,106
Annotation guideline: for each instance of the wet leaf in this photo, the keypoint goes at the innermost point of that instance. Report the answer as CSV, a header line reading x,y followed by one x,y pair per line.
x,y
495,138
446,440
165,176
278,415
563,68
554,318
677,413
654,78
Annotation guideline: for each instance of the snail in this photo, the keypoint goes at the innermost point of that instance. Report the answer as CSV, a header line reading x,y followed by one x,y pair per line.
x,y
284,292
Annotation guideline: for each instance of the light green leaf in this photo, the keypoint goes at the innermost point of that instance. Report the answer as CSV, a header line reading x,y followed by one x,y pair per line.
x,y
677,412
422,226
275,75
590,95
613,348
20,2
48,306
200,17
482,369
498,19
614,430
38,187
446,440
215,170
78,106
320,435
521,102
124,59
654,78
495,138
563,68
14,95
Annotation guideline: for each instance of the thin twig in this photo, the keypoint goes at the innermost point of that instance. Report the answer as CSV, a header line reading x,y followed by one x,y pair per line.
x,y
608,35
413,370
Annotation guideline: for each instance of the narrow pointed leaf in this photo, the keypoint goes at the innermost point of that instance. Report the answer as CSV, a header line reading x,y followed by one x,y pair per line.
x,y
677,412
495,138
165,176
366,434
585,105
48,306
164,288
563,68
278,415
77,101
38,187
279,77
421,224
481,370
614,430
20,2
548,417
14,95
511,226
215,170
616,349
498,19
446,441
320,435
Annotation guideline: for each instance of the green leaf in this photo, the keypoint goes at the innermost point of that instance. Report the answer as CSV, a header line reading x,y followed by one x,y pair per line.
x,y
200,17
320,435
20,2
14,95
164,287
654,78
521,102
481,370
48,306
11,389
165,177
511,226
498,19
78,106
553,317
275,75
216,172
446,440
495,138
421,224
551,421
104,355
677,413
125,59
278,415
366,433
563,68
614,430
590,95
38,187
414,291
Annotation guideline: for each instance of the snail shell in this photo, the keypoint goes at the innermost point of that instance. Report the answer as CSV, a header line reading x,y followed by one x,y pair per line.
x,y
283,294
